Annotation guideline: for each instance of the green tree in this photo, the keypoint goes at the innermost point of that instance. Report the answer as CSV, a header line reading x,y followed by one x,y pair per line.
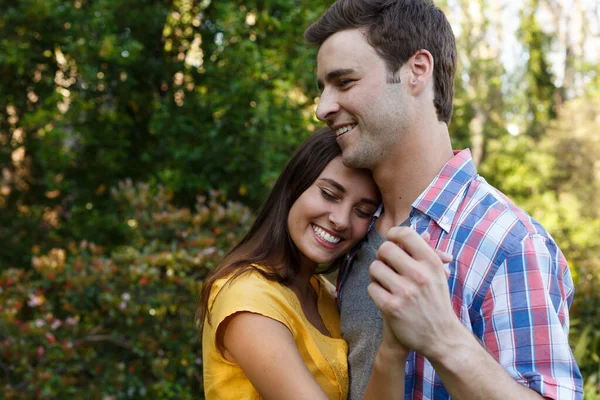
x,y
191,94
539,90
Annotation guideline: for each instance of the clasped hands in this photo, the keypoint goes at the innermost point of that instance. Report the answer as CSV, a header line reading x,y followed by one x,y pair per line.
x,y
410,287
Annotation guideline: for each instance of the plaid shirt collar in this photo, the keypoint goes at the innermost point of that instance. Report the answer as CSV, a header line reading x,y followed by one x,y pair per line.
x,y
440,202
442,198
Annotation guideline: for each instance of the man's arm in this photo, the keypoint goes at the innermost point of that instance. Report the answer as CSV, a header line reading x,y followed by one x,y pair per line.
x,y
387,378
470,372
415,299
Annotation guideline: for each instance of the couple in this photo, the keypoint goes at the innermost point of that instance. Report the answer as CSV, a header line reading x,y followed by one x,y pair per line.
x,y
494,327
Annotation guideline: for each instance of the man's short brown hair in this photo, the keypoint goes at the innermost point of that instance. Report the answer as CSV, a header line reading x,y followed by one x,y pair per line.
x,y
397,29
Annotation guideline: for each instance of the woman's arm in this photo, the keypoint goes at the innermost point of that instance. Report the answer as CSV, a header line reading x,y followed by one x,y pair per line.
x,y
387,375
267,353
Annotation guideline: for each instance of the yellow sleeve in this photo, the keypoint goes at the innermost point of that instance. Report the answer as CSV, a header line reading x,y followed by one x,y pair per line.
x,y
249,292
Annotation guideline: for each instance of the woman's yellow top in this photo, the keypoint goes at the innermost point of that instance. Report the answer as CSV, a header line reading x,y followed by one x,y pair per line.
x,y
324,356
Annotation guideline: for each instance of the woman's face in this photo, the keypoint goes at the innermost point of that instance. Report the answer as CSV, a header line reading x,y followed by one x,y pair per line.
x,y
333,214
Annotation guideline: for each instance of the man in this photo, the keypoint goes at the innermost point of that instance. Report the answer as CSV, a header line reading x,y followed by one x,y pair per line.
x,y
497,328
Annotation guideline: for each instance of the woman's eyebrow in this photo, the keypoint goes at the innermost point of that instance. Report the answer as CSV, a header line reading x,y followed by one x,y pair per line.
x,y
334,184
369,201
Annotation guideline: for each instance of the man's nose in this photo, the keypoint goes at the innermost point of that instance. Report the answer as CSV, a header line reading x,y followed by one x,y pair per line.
x,y
328,106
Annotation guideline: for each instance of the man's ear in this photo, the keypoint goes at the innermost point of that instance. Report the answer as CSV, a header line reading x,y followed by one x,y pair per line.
x,y
421,71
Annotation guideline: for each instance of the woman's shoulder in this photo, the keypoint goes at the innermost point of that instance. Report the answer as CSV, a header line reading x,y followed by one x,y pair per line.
x,y
249,283
251,275
249,291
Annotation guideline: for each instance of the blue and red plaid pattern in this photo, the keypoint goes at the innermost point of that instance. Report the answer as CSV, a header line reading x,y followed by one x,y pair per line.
x,y
509,284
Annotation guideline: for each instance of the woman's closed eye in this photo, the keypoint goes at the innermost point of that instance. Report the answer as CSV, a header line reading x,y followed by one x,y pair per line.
x,y
328,195
364,213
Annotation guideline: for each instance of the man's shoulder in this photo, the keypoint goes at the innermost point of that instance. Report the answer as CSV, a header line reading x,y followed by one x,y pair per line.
x,y
489,211
489,232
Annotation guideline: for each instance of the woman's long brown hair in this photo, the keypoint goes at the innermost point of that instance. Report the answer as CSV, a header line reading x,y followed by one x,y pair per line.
x,y
268,242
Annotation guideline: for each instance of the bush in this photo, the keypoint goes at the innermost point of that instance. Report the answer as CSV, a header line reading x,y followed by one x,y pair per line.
x,y
585,327
84,323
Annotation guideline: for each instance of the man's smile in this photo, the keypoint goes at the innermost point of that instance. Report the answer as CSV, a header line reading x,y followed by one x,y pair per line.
x,y
343,129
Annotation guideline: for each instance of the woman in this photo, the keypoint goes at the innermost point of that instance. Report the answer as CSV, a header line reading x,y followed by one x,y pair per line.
x,y
271,326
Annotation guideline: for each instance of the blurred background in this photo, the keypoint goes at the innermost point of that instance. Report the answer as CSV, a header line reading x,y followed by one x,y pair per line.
x,y
137,138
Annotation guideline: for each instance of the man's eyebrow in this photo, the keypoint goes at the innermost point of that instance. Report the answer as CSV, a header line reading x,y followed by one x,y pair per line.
x,y
341,189
336,73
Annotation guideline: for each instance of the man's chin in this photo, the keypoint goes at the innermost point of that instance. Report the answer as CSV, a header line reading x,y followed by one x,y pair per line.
x,y
351,159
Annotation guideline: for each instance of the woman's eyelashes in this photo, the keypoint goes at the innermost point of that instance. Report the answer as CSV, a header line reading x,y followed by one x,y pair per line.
x,y
329,195
361,211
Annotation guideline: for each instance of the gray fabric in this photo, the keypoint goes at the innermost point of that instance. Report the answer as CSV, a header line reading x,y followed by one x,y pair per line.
x,y
360,318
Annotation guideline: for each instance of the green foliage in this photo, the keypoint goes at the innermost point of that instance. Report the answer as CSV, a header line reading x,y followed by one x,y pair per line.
x,y
559,185
479,103
79,86
189,94
539,87
87,323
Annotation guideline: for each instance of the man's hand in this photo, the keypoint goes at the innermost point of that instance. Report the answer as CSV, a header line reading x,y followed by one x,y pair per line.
x,y
410,288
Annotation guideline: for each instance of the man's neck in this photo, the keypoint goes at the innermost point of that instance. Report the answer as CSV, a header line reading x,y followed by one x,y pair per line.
x,y
404,175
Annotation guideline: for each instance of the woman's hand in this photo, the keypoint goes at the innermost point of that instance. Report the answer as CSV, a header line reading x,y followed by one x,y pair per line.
x,y
390,345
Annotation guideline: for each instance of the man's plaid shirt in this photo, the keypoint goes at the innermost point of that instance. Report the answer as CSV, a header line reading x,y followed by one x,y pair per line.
x,y
509,284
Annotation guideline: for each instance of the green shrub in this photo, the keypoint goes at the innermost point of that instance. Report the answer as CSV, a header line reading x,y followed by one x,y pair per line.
x,y
84,323
585,327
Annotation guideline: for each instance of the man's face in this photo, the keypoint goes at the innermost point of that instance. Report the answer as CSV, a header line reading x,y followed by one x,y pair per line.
x,y
367,113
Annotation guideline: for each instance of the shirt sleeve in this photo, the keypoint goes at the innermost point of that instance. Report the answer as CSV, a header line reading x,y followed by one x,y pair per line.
x,y
249,292
526,314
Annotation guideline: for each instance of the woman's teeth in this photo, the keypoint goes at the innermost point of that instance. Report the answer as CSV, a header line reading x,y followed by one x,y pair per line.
x,y
326,236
